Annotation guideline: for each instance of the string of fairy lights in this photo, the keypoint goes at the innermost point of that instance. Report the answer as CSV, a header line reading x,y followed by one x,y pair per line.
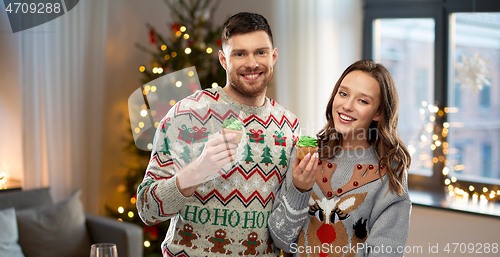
x,y
453,186
182,31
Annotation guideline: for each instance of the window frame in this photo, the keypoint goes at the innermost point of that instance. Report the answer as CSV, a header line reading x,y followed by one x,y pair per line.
x,y
440,11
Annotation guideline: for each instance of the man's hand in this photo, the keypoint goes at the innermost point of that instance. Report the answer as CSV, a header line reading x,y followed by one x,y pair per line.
x,y
217,153
304,172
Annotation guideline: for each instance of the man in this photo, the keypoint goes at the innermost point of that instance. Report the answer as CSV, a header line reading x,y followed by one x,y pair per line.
x,y
218,194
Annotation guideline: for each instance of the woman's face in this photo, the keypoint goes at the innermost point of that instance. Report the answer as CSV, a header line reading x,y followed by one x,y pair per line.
x,y
356,105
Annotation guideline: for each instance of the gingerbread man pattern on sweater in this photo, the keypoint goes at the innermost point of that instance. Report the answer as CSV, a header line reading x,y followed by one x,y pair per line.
x,y
227,215
350,211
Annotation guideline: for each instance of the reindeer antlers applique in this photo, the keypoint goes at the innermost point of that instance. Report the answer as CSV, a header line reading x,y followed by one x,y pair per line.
x,y
361,175
323,178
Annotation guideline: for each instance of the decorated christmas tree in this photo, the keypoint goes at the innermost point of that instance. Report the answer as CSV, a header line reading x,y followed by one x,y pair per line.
x,y
190,40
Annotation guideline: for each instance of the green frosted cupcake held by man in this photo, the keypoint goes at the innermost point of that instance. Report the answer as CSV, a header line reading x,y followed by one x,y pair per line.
x,y
233,126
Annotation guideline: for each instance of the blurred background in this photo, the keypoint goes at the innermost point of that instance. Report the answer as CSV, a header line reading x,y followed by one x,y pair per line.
x,y
65,85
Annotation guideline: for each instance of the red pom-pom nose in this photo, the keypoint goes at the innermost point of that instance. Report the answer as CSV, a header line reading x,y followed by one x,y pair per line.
x,y
326,234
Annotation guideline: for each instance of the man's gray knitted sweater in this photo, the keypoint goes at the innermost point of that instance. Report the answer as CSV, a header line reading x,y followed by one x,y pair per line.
x,y
350,211
227,215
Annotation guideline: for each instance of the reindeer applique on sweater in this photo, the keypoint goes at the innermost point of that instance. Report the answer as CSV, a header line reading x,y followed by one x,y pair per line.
x,y
327,214
326,226
350,203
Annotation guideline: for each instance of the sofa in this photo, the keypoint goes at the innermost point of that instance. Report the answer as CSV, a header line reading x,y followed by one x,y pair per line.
x,y
46,229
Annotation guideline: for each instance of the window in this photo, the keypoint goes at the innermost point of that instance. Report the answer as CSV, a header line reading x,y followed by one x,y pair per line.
x,y
444,56
455,156
486,168
406,48
485,100
422,85
456,97
474,49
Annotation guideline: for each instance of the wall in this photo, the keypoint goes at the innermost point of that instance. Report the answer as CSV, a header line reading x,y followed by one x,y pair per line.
x,y
11,153
431,227
317,40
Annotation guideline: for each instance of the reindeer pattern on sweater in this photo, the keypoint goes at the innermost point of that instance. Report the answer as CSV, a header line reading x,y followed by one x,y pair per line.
x,y
349,211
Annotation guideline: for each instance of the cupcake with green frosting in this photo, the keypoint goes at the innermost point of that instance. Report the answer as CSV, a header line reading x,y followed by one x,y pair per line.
x,y
233,126
305,145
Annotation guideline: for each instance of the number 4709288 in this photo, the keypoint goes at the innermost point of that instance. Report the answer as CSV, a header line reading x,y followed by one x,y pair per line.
x,y
471,248
33,8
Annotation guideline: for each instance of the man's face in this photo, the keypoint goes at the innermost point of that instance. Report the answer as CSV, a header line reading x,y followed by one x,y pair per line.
x,y
248,60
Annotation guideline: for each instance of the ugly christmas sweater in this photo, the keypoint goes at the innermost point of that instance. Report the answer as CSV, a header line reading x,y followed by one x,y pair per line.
x,y
350,211
228,214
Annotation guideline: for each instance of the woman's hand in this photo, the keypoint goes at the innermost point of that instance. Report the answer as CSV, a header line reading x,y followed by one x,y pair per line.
x,y
304,172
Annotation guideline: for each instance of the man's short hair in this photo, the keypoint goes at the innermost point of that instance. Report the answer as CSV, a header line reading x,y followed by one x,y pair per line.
x,y
245,22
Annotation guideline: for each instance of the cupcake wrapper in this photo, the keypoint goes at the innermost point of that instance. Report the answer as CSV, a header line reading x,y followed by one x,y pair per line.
x,y
303,151
239,134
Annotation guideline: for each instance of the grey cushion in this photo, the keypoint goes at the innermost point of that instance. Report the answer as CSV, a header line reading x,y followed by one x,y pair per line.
x,y
25,199
54,230
8,234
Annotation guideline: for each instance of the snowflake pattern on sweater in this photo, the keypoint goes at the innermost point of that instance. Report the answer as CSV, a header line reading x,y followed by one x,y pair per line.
x,y
228,213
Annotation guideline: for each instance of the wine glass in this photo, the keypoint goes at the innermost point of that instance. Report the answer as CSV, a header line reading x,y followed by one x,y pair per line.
x,y
103,250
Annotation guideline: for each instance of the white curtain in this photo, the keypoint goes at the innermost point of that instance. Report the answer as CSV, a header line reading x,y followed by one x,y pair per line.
x,y
62,88
316,41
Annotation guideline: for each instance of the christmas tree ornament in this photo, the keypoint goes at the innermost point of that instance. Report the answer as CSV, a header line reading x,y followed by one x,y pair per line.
x,y
152,38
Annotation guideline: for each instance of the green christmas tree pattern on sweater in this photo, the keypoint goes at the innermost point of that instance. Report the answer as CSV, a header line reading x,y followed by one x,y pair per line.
x,y
247,154
186,155
267,157
284,160
164,148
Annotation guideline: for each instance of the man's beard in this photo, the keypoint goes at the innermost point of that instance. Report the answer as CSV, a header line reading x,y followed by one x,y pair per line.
x,y
247,91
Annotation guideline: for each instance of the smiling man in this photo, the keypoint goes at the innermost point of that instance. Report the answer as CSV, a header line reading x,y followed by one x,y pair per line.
x,y
248,59
218,195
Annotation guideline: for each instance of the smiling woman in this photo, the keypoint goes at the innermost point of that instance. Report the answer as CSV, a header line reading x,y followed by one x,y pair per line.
x,y
359,180
356,106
